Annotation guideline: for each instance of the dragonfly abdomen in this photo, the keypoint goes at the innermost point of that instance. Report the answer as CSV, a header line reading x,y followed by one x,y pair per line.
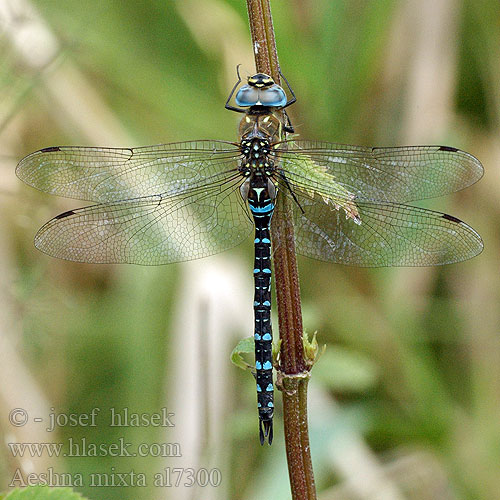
x,y
261,204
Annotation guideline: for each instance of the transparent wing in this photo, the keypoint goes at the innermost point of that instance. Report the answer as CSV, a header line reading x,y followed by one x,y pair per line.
x,y
388,234
152,230
112,174
397,175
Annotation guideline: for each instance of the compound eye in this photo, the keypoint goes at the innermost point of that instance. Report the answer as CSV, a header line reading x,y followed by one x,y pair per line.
x,y
273,97
247,96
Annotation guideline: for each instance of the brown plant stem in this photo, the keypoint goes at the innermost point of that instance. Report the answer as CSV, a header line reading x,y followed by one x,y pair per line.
x,y
293,373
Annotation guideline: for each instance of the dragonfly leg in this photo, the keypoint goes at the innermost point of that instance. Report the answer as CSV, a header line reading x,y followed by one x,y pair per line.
x,y
288,127
227,105
294,98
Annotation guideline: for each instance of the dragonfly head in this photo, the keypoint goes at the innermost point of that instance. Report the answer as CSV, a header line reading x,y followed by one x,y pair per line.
x,y
261,90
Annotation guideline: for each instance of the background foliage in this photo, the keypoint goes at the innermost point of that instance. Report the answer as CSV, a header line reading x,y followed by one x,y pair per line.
x,y
406,401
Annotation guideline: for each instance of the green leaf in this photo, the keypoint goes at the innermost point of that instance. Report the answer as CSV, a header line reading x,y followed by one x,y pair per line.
x,y
333,193
312,351
244,346
43,493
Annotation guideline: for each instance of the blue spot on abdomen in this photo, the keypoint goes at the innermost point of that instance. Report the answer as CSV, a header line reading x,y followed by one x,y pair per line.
x,y
262,210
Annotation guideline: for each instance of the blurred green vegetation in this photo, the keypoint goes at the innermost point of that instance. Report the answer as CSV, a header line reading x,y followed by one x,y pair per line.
x,y
420,346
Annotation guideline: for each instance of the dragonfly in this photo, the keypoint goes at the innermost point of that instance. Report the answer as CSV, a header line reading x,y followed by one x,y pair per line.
x,y
186,200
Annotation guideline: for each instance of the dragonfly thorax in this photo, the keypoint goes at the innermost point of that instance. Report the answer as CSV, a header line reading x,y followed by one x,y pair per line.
x,y
256,156
259,124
